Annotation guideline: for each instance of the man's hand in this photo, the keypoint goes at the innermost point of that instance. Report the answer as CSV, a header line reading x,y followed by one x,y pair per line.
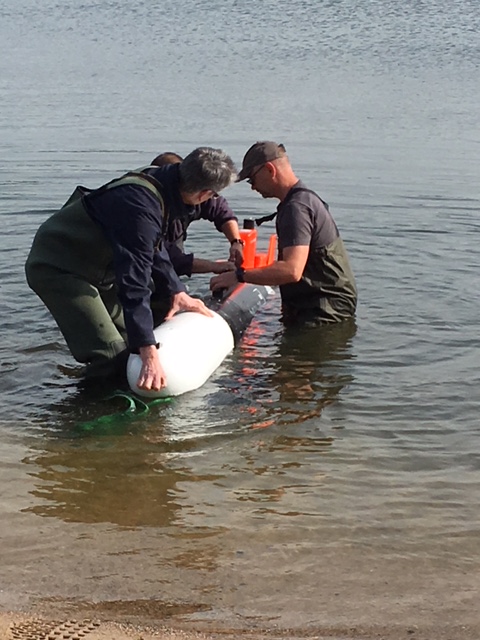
x,y
223,281
223,265
152,376
236,254
183,302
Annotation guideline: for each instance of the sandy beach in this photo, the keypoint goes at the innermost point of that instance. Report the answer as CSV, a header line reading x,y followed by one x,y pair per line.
x,y
17,627
20,626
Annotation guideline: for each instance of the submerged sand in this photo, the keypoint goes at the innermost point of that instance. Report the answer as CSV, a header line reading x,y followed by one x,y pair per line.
x,y
388,602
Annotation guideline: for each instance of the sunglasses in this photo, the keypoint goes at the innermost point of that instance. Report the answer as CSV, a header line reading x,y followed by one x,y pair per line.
x,y
251,178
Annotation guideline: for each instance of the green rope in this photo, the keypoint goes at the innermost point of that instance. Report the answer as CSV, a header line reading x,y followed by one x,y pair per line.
x,y
136,408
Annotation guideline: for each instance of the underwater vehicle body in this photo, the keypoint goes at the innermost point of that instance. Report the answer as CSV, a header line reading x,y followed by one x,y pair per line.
x,y
192,346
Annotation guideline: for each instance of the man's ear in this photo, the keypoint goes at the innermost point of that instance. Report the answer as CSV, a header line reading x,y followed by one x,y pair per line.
x,y
271,168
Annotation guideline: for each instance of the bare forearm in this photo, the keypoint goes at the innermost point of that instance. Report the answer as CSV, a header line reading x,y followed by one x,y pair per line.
x,y
201,265
231,230
285,271
277,273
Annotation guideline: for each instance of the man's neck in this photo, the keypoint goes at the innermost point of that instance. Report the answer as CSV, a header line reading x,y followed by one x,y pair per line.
x,y
190,199
285,187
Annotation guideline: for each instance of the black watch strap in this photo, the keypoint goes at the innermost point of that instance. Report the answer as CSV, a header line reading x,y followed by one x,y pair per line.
x,y
240,273
237,241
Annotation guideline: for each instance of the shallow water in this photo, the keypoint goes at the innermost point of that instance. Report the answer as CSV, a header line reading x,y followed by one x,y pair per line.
x,y
310,464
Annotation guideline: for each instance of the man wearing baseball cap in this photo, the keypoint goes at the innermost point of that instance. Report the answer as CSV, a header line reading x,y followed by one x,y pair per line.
x,y
312,270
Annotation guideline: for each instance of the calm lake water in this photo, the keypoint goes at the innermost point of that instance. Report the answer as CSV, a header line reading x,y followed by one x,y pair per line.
x,y
313,474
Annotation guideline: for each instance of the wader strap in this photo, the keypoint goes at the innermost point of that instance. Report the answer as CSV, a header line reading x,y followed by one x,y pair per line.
x,y
259,221
271,216
142,180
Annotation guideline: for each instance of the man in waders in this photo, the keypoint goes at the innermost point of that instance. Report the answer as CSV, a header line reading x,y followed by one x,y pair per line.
x,y
312,270
95,262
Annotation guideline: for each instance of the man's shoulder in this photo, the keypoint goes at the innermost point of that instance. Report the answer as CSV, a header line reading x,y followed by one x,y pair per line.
x,y
214,207
303,194
301,198
167,176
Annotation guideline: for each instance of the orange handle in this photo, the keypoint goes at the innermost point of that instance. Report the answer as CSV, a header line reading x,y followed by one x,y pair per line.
x,y
249,237
272,248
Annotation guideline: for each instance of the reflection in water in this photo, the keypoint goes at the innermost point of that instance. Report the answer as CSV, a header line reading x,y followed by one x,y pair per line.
x,y
107,482
99,464
127,473
312,368
284,388
305,372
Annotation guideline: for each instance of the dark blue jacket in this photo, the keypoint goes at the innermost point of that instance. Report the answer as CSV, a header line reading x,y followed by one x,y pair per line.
x,y
133,222
146,240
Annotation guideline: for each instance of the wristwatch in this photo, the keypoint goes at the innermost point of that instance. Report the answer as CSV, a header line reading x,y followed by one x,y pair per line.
x,y
240,273
157,345
237,241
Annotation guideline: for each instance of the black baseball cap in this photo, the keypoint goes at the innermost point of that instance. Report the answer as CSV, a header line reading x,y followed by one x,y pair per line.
x,y
258,154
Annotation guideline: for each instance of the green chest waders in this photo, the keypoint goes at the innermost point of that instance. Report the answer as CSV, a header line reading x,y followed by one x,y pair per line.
x,y
326,292
70,268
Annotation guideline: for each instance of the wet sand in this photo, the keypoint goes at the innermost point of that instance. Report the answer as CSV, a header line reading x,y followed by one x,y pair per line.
x,y
23,626
387,602
20,627
355,598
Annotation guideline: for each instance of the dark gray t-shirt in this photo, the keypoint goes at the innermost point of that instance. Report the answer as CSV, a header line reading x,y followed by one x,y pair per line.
x,y
327,288
303,220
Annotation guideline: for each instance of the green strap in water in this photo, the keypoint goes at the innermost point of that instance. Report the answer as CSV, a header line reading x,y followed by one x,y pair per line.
x,y
135,409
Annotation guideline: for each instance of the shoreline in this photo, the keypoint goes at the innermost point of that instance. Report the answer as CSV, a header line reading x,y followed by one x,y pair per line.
x,y
352,598
30,626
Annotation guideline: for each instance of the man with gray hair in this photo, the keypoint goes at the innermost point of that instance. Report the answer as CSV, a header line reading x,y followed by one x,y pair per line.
x,y
215,210
93,262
